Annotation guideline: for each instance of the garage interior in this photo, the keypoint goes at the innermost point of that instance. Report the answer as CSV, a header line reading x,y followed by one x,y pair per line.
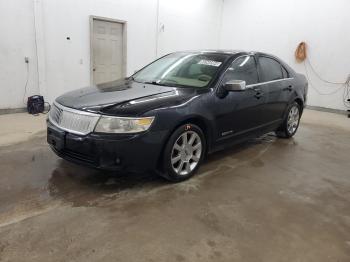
x,y
268,199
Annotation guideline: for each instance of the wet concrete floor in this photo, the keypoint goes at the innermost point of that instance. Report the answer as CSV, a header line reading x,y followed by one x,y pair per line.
x,y
266,200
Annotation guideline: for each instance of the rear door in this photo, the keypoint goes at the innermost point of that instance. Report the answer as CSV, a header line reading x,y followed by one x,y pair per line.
x,y
276,86
239,112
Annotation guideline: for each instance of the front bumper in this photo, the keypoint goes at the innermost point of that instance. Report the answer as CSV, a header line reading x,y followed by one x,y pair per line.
x,y
132,152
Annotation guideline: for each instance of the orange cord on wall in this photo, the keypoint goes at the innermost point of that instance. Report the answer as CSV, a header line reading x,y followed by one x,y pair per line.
x,y
301,56
300,53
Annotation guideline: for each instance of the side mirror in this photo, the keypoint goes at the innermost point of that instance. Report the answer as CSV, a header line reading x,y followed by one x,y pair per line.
x,y
235,85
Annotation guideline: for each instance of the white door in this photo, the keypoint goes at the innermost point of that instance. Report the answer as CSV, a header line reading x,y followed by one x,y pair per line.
x,y
108,51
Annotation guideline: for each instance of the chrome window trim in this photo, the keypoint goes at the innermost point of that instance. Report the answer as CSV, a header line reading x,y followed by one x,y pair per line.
x,y
75,111
269,82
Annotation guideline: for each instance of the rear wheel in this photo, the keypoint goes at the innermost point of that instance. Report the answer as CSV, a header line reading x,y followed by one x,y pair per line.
x,y
183,153
291,123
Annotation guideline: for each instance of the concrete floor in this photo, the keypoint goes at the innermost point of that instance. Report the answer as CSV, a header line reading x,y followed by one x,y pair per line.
x,y
266,200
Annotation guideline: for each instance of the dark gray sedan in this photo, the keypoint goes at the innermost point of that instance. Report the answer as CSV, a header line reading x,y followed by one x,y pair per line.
x,y
170,114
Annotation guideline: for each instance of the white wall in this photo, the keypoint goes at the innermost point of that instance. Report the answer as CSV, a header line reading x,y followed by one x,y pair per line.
x,y
17,41
188,25
66,18
277,26
274,26
65,64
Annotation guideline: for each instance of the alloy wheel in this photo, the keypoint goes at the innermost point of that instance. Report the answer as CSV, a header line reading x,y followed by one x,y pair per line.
x,y
293,119
186,153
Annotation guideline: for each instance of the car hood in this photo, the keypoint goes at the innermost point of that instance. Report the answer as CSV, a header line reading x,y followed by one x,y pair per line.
x,y
123,97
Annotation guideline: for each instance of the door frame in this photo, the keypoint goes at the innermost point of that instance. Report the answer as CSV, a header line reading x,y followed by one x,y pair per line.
x,y
112,20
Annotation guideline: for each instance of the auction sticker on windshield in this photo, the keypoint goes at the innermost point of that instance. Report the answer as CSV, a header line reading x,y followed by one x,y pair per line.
x,y
209,63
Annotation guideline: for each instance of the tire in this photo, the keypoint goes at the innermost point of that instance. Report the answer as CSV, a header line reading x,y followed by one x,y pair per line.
x,y
181,160
291,122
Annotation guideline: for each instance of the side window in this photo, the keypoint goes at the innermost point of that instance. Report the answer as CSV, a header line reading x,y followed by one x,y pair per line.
x,y
270,69
243,68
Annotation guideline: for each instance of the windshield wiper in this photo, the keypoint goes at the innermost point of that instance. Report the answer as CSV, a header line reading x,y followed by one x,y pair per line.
x,y
154,82
164,84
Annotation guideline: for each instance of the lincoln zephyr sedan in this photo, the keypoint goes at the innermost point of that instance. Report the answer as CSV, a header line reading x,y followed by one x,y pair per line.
x,y
170,114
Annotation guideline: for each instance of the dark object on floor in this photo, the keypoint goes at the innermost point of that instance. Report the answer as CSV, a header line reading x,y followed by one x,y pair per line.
x,y
36,105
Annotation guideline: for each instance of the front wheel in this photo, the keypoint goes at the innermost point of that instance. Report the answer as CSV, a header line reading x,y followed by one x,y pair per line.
x,y
291,123
183,153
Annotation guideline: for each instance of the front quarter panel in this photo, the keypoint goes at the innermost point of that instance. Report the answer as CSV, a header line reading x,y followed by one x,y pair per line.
x,y
196,108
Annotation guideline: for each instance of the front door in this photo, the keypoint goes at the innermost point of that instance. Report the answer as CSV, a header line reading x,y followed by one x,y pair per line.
x,y
239,112
108,51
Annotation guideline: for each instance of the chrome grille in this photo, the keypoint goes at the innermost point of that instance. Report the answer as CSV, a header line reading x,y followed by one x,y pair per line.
x,y
72,120
55,114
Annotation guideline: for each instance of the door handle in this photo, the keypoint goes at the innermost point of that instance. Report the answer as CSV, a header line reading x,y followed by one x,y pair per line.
x,y
258,93
289,88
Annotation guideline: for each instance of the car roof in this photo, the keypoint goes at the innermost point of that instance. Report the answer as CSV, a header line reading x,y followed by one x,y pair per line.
x,y
218,51
226,51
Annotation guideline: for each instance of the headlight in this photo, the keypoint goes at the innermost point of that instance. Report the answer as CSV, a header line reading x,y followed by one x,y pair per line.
x,y
108,124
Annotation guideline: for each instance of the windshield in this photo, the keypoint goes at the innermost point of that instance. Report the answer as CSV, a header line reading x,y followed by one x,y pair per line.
x,y
182,70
